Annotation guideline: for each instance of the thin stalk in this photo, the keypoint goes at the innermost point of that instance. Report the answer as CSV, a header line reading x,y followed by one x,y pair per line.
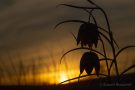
x,y
105,57
90,14
111,38
1,75
54,65
6,71
13,68
66,67
21,70
34,71
102,45
117,54
115,62
113,48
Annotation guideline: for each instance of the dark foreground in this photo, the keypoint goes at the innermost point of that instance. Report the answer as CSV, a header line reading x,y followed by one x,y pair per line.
x,y
127,83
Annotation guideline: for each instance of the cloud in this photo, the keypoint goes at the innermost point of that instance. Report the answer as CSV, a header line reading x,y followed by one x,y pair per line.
x,y
30,22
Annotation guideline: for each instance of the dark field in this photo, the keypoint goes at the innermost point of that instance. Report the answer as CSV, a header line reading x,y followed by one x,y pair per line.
x,y
127,83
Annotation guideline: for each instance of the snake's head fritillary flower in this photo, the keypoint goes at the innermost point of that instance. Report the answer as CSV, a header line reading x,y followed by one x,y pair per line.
x,y
88,35
89,61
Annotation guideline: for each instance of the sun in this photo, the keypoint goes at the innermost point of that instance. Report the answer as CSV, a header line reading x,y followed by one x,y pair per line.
x,y
63,77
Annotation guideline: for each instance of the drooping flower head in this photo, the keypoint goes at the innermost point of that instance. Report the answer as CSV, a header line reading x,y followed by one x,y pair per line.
x,y
89,61
88,35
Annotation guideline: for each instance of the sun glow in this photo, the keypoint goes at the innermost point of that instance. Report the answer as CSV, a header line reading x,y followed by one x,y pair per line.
x,y
58,77
63,77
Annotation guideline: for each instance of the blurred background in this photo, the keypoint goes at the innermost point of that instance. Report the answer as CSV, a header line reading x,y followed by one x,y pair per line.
x,y
30,49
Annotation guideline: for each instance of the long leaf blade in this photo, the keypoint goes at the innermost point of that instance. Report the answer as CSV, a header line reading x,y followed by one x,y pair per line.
x,y
100,74
78,7
79,49
124,48
67,21
129,68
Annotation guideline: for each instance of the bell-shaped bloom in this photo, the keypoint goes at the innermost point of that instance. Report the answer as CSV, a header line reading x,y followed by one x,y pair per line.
x,y
89,61
88,35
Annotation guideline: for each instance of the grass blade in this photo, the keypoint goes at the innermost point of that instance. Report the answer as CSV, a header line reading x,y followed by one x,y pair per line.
x,y
67,21
129,68
79,49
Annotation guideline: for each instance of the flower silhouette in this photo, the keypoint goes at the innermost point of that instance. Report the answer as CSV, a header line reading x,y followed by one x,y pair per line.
x,y
88,35
89,61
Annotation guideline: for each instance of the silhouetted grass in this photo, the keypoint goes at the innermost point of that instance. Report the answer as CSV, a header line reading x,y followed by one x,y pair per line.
x,y
128,83
89,34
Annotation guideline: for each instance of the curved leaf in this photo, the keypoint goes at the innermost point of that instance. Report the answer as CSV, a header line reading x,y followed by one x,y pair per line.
x,y
100,74
124,48
120,52
97,24
67,21
89,12
105,37
95,20
129,68
113,41
105,56
78,7
105,18
79,49
108,39
91,2
103,29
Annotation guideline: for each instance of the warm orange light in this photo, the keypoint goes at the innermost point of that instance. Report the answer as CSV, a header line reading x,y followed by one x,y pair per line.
x,y
63,77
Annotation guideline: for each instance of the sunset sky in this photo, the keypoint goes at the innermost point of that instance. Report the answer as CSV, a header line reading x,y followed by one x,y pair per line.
x,y
27,35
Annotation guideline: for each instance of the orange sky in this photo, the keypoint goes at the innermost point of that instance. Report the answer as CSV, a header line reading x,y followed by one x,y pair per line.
x,y
27,35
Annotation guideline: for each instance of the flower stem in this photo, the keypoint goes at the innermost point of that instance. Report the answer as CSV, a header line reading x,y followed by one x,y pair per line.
x,y
111,38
